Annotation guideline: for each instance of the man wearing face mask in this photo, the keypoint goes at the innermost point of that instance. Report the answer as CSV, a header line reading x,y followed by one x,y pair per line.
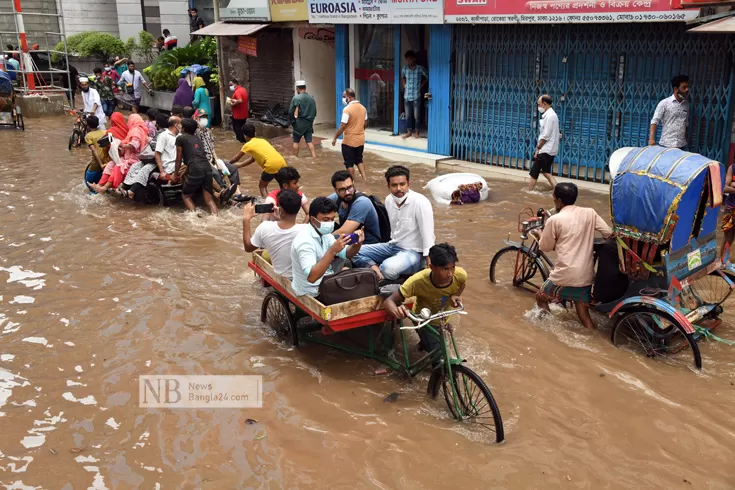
x,y
239,108
104,84
412,231
92,102
672,114
548,143
315,249
354,122
133,79
166,148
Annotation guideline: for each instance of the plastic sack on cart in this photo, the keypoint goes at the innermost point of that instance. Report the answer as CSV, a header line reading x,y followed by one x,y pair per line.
x,y
462,188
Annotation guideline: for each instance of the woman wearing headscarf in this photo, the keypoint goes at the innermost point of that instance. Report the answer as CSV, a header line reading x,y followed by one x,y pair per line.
x,y
118,126
119,131
130,148
184,95
201,98
224,185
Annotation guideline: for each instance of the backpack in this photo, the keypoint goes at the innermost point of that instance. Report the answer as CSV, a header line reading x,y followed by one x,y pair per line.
x,y
383,220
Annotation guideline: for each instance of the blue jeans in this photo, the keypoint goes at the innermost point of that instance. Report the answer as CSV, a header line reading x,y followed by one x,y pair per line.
x,y
108,107
413,114
393,260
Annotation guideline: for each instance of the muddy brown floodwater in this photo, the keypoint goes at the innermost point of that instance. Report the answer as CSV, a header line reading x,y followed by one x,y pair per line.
x,y
95,292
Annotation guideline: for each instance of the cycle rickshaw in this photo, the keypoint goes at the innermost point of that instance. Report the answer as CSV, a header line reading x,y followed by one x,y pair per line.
x,y
10,112
664,206
468,397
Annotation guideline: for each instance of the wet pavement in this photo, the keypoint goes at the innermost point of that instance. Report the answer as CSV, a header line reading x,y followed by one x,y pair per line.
x,y
95,291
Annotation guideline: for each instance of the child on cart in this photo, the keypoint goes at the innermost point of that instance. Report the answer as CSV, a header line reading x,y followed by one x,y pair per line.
x,y
436,288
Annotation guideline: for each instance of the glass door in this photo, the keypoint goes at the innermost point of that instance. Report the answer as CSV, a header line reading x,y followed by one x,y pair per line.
x,y
374,73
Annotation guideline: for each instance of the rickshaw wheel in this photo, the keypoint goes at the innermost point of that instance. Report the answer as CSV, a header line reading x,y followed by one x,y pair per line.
x,y
475,402
656,334
74,138
276,314
153,194
711,289
504,264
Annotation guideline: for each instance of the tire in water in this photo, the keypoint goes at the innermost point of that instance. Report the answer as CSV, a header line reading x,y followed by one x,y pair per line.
x,y
476,402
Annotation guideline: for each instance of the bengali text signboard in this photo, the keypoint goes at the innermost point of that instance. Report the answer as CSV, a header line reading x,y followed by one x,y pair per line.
x,y
376,11
250,10
247,45
560,11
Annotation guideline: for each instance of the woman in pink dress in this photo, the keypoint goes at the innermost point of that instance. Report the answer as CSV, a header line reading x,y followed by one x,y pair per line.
x,y
130,149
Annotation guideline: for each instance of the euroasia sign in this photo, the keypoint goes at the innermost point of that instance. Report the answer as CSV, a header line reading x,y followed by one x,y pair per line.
x,y
376,11
564,11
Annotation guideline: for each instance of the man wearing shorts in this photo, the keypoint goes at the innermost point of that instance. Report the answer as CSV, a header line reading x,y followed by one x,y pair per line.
x,y
571,233
354,121
548,143
262,152
303,113
190,151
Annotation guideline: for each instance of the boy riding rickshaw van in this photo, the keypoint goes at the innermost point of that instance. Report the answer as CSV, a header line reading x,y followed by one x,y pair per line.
x,y
664,206
10,113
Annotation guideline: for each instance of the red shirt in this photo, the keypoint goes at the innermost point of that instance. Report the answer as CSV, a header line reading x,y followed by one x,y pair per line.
x,y
240,111
274,195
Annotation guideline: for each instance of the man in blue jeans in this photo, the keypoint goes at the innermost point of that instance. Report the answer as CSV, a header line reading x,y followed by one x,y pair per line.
x,y
414,79
412,231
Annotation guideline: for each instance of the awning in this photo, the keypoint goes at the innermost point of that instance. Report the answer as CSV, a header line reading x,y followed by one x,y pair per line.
x,y
229,29
721,26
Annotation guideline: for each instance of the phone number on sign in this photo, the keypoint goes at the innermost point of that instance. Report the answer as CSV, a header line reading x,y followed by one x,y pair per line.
x,y
517,19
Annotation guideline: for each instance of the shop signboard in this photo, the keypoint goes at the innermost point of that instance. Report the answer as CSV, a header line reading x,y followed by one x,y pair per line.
x,y
248,10
376,11
288,10
317,34
247,45
563,11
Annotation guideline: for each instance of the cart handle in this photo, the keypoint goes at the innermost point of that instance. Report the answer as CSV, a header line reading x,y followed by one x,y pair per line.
x,y
425,317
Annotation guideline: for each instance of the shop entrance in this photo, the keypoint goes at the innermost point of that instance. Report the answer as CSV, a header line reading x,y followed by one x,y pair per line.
x,y
377,58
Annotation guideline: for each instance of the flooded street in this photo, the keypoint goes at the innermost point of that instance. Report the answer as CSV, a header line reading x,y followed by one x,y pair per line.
x,y
95,292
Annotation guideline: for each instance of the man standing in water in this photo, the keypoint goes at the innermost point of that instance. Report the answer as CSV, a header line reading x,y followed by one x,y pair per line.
x,y
134,79
354,121
190,151
571,233
548,143
303,113
672,114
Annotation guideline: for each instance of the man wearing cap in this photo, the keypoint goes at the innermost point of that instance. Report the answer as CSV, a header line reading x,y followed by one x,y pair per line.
x,y
302,112
92,102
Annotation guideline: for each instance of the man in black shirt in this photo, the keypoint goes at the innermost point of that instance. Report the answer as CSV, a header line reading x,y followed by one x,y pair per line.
x,y
190,151
195,22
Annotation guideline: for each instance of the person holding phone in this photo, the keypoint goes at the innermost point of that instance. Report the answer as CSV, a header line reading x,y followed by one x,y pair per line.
x,y
276,237
314,250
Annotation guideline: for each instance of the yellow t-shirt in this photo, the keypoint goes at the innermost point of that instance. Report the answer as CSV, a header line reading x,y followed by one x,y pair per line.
x,y
265,155
91,139
427,294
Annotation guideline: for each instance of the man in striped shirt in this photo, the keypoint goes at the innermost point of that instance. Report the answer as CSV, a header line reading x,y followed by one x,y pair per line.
x,y
170,41
414,79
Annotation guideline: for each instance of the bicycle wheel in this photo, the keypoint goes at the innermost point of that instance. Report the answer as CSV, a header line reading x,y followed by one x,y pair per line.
x,y
154,194
514,266
656,335
475,402
276,314
711,289
75,134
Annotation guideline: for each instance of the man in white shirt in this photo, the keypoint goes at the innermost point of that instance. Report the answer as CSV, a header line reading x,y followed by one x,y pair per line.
x,y
412,231
672,114
135,79
166,148
275,237
548,143
92,102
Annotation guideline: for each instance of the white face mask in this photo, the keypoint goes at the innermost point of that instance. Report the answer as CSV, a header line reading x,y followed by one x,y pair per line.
x,y
203,122
344,100
400,200
232,88
541,110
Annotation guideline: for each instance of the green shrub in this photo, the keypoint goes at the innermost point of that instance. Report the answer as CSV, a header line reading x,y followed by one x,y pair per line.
x,y
91,44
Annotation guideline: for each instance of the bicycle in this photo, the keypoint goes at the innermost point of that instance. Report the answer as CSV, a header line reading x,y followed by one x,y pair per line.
x,y
517,264
79,130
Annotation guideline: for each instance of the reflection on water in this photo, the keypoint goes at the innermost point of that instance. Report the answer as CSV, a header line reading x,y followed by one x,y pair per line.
x,y
95,291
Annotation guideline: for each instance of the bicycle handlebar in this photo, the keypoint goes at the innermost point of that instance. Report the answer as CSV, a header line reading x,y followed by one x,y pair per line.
x,y
424,319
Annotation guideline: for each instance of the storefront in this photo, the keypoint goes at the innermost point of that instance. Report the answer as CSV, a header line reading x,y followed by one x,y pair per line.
x,y
370,44
604,72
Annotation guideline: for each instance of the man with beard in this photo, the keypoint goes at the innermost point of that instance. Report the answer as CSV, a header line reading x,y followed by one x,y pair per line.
x,y
92,102
131,81
355,210
672,114
571,234
412,231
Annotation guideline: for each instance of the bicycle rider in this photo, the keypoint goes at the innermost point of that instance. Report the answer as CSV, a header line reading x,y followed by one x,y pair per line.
x,y
571,233
435,288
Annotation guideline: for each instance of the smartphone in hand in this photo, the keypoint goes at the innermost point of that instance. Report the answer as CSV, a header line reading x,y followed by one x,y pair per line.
x,y
353,238
263,208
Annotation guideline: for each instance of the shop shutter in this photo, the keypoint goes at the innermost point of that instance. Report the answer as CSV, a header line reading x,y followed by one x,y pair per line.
x,y
605,81
271,72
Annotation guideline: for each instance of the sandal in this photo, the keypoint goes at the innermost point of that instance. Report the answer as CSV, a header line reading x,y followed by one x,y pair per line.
x,y
242,198
226,195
